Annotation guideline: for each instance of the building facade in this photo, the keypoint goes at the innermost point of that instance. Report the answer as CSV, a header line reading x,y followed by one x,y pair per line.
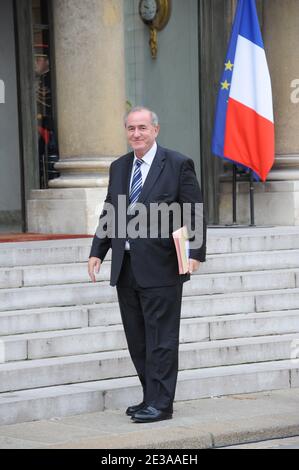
x,y
69,69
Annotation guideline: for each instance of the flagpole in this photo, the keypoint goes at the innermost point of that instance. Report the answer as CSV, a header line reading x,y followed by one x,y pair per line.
x,y
234,194
251,196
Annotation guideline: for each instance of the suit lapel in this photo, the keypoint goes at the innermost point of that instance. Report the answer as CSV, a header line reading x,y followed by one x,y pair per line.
x,y
153,174
126,176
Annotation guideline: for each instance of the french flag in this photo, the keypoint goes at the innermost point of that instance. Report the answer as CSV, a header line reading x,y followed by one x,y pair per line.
x,y
244,124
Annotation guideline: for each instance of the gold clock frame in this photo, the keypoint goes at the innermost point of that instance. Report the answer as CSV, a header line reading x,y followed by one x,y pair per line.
x,y
163,14
158,23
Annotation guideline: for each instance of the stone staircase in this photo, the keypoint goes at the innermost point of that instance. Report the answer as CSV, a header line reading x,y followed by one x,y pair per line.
x,y
63,350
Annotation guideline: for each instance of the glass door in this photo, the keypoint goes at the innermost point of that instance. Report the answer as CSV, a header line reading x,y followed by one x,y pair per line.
x,y
46,135
10,171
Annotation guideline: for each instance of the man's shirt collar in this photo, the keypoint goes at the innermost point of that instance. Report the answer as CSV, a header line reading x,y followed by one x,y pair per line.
x,y
150,155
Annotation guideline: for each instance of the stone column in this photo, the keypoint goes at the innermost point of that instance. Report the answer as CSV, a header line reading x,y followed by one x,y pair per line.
x,y
281,37
90,84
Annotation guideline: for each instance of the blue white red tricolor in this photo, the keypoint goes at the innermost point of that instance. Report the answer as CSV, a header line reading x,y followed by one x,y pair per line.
x,y
244,124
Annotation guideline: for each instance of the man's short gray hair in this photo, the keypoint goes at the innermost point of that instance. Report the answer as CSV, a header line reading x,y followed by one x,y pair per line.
x,y
154,117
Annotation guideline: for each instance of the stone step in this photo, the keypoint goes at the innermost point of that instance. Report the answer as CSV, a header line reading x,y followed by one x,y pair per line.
x,y
222,283
70,273
220,240
99,339
240,302
225,326
83,341
252,261
87,293
103,314
104,365
220,327
44,252
250,239
88,397
63,349
49,319
253,324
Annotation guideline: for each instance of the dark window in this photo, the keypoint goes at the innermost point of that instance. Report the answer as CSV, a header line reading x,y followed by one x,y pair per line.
x,y
47,138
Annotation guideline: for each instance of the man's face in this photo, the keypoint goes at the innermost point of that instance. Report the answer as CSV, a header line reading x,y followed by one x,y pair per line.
x,y
41,65
141,133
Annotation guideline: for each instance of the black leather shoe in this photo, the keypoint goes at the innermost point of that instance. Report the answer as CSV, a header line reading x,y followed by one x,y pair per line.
x,y
150,414
133,409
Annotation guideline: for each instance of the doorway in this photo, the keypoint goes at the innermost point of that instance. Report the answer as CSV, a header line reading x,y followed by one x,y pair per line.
x,y
11,218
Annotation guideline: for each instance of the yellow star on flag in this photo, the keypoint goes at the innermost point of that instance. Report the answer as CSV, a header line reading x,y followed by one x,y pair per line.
x,y
225,85
229,65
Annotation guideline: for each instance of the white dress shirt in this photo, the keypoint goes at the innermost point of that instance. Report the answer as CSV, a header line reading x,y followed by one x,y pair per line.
x,y
144,168
147,161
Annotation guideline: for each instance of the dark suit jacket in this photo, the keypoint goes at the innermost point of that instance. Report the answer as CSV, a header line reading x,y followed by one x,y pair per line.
x,y
171,178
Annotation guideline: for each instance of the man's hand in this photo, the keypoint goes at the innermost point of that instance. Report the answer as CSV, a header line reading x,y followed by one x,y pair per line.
x,y
193,265
94,265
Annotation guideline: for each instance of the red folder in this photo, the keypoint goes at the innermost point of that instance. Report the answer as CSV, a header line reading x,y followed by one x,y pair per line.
x,y
181,241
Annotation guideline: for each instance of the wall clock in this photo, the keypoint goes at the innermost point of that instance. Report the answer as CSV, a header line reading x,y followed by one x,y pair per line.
x,y
155,14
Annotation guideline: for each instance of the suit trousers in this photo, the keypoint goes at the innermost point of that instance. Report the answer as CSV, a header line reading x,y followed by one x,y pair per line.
x,y
151,320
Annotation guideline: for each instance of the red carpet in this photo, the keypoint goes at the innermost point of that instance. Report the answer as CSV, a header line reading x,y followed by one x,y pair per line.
x,y
29,237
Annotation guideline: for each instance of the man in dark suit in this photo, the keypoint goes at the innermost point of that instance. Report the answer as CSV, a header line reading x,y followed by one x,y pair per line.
x,y
145,268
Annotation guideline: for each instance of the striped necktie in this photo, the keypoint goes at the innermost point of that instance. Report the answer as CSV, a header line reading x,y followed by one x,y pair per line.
x,y
136,185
